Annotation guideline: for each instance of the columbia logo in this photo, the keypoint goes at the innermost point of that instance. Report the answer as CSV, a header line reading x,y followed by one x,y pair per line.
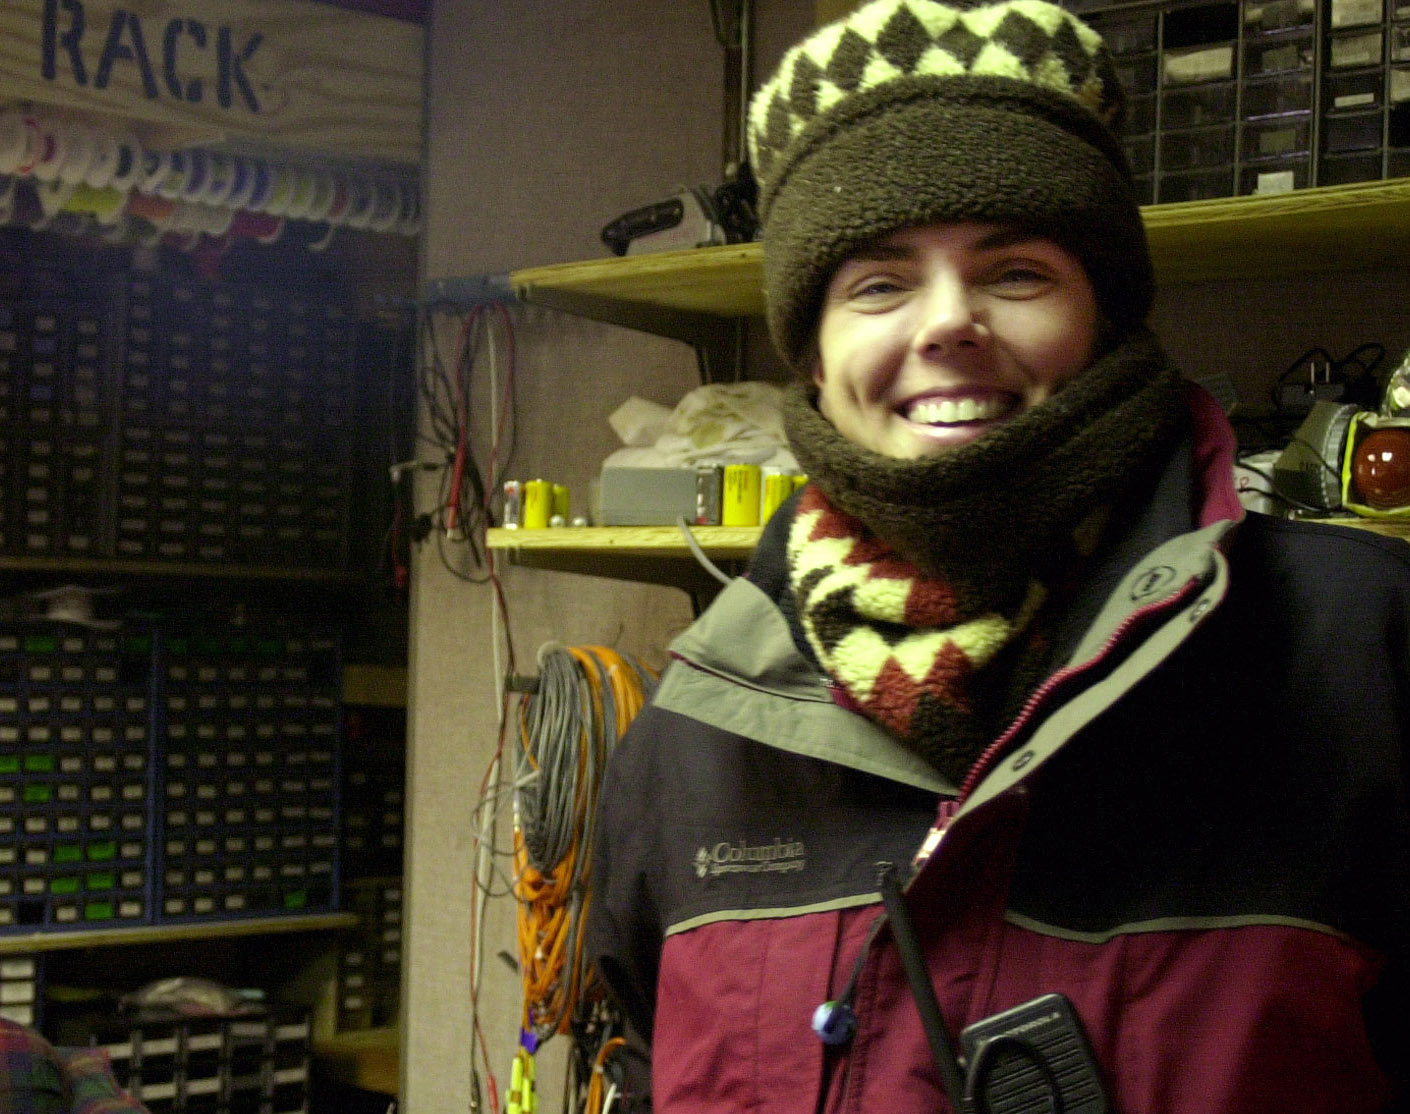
x,y
781,856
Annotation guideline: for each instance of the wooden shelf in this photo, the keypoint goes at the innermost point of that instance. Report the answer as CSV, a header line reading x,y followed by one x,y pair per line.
x,y
65,939
209,570
1333,228
687,294
655,554
368,1059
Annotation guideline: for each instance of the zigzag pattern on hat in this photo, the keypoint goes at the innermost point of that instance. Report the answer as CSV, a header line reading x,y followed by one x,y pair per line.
x,y
889,636
1028,40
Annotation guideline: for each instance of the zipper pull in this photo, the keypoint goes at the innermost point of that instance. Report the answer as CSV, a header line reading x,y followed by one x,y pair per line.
x,y
948,807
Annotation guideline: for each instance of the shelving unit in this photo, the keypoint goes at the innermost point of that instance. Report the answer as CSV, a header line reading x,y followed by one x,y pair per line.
x,y
652,554
684,294
695,295
50,941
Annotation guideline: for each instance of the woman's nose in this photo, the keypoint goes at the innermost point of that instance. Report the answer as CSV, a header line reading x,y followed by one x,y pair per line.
x,y
947,318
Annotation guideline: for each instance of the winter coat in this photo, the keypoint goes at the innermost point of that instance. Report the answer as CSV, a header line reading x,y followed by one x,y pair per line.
x,y
1197,831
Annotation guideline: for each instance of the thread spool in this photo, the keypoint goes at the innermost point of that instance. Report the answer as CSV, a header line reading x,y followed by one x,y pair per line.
x,y
102,167
81,147
129,164
15,143
156,165
47,149
325,190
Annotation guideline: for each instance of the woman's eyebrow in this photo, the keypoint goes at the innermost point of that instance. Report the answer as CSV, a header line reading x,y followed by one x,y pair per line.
x,y
1009,237
879,253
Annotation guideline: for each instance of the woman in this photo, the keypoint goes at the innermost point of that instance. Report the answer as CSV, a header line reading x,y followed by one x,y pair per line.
x,y
1016,649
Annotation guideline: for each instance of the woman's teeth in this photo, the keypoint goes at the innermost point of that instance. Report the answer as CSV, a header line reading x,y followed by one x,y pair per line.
x,y
948,411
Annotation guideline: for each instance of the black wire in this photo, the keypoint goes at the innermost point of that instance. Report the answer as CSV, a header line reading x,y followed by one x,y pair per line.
x,y
1274,493
444,397
927,1005
1365,358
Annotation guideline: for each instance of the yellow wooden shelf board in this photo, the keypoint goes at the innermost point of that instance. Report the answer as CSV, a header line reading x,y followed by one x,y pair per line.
x,y
637,290
50,940
1326,229
1330,228
723,542
650,554
366,1058
210,570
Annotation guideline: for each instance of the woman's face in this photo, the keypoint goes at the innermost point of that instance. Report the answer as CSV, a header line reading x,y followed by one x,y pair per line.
x,y
934,335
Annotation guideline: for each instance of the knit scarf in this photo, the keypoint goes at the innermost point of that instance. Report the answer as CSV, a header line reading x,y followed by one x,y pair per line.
x,y
921,584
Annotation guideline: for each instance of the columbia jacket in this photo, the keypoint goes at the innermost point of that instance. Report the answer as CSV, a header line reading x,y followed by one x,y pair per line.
x,y
1197,831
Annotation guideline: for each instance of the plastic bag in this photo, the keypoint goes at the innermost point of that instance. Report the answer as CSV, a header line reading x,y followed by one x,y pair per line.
x,y
719,423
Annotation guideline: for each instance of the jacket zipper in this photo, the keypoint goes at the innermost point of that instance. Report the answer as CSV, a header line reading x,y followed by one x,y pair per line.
x,y
950,806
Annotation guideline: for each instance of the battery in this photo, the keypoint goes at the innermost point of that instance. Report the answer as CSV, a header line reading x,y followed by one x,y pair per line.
x,y
778,486
512,516
739,503
708,484
538,504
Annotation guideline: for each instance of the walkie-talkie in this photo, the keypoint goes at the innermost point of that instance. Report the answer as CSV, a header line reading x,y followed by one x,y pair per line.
x,y
1031,1059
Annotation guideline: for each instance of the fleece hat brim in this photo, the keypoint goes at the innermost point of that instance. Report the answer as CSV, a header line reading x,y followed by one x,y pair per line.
x,y
917,155
905,114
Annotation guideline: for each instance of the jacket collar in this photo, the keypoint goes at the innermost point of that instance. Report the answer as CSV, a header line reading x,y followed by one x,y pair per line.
x,y
1167,562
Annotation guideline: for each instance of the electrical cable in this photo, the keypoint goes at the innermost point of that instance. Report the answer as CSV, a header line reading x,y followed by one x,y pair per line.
x,y
699,554
585,700
486,816
600,1092
445,387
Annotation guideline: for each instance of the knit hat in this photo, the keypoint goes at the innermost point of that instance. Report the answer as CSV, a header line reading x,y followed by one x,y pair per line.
x,y
908,112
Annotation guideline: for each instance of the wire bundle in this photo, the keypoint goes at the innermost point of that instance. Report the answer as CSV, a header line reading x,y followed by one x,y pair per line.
x,y
586,698
445,386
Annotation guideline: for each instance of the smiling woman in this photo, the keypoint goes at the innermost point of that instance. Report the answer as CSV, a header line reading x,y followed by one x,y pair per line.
x,y
1018,635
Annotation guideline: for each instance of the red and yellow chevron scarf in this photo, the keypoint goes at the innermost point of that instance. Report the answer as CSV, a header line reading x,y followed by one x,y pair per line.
x,y
894,640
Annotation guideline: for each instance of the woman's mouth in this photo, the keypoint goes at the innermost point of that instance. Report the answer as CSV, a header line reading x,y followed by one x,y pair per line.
x,y
958,411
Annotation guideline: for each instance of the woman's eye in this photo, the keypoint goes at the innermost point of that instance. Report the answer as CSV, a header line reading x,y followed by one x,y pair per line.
x,y
876,286
1021,277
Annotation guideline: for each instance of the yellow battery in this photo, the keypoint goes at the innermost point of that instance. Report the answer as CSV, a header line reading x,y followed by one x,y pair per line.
x,y
560,504
799,480
778,486
739,499
538,504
